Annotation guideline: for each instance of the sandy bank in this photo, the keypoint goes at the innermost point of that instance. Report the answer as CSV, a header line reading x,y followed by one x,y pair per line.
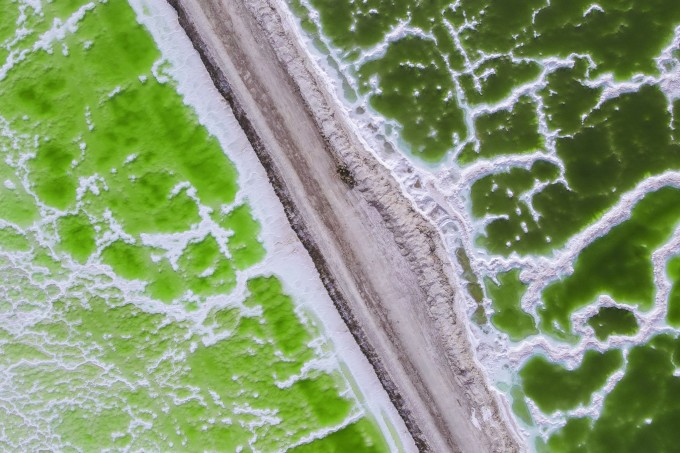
x,y
382,263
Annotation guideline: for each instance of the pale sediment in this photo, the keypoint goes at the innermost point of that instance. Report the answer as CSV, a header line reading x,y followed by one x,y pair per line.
x,y
383,264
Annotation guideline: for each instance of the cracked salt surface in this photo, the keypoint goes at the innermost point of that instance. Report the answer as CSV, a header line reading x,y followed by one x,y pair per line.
x,y
440,192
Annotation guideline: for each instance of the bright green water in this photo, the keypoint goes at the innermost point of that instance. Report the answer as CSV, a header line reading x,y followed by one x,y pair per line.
x,y
467,81
107,340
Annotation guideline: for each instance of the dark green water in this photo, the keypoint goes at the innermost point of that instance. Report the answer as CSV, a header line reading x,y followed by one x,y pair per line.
x,y
476,80
618,264
613,321
641,412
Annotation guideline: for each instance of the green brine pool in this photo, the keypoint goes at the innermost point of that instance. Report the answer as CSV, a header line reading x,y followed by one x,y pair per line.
x,y
555,127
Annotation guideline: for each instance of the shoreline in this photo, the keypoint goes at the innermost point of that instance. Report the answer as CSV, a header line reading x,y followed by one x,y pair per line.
x,y
421,291
286,256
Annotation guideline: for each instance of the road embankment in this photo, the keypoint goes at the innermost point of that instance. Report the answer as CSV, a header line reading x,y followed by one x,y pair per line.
x,y
383,264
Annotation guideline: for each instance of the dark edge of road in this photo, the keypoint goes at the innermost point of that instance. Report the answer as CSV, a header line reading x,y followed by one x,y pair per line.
x,y
224,88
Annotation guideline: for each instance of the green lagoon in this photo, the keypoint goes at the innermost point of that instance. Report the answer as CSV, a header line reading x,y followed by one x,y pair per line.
x,y
137,308
577,107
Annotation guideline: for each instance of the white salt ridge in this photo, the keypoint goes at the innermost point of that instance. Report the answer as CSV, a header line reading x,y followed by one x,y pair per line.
x,y
313,365
36,5
60,29
55,34
325,432
540,272
286,256
669,81
176,243
398,32
592,8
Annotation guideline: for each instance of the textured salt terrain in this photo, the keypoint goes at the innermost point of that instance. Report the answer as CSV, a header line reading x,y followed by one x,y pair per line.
x,y
154,296
553,182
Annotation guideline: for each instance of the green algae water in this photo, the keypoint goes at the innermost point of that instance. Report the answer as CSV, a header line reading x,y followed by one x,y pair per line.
x,y
139,307
552,129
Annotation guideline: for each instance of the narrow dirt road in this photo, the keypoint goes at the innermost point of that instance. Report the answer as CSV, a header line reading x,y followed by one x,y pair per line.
x,y
382,263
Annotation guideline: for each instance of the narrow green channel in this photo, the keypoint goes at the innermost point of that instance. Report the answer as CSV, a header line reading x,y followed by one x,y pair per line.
x,y
508,314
